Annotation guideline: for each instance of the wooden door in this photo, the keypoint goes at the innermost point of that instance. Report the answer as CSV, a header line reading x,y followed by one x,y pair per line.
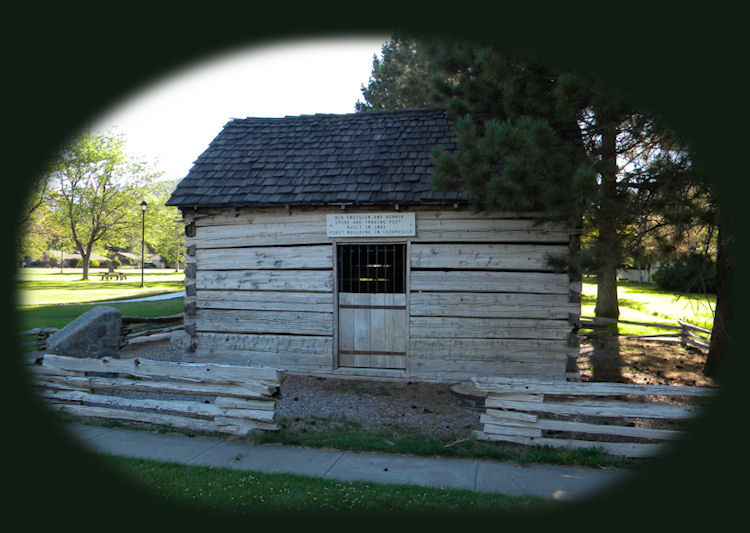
x,y
372,330
372,323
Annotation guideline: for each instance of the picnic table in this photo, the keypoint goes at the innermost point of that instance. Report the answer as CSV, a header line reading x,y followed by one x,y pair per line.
x,y
114,275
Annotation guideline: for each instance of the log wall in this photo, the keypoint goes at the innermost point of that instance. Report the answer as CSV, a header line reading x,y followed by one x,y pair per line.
x,y
482,298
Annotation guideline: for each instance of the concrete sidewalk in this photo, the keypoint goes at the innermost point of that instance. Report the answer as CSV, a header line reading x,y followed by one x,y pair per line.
x,y
549,481
165,296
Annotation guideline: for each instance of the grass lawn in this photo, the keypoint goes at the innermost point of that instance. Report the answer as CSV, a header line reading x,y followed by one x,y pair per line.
x,y
47,286
231,491
345,434
51,299
643,302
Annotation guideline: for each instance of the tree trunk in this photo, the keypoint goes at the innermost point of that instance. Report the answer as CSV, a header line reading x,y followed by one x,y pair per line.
x,y
85,267
606,292
86,257
608,246
722,316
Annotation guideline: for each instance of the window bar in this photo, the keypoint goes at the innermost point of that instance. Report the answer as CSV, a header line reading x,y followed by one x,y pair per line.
x,y
359,276
378,271
394,274
352,268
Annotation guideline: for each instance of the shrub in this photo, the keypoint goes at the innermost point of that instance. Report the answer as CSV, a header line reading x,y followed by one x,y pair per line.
x,y
93,263
691,272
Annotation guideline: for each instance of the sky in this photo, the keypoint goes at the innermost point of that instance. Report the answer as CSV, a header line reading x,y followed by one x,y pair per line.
x,y
171,121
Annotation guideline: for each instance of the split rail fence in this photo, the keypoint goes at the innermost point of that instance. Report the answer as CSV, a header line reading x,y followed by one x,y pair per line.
x,y
573,414
688,334
40,338
135,327
216,398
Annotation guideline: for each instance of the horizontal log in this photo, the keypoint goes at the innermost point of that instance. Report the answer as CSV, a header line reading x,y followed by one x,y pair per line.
x,y
506,416
271,280
483,281
657,337
581,427
274,226
595,408
521,397
504,429
697,344
291,362
243,321
486,256
153,320
585,321
265,300
298,345
610,429
697,336
52,378
40,331
488,349
488,328
506,385
626,449
160,405
208,373
454,368
220,425
691,327
272,257
158,331
240,403
492,305
464,226
314,214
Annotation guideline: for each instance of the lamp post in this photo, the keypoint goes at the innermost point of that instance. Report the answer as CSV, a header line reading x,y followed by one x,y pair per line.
x,y
143,237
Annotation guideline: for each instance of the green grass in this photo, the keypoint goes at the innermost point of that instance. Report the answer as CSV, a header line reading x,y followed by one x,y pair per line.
x,y
47,286
51,299
643,302
58,316
225,490
343,434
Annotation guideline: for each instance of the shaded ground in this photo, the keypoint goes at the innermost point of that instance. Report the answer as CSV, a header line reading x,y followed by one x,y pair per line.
x,y
651,363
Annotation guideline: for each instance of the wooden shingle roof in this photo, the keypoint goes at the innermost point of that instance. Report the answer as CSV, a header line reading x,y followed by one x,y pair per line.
x,y
359,158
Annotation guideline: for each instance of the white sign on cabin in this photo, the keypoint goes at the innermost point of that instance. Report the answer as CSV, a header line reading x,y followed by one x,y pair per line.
x,y
371,225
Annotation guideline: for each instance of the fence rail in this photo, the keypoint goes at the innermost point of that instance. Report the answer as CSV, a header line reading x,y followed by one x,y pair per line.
x,y
219,398
585,414
139,327
41,335
687,334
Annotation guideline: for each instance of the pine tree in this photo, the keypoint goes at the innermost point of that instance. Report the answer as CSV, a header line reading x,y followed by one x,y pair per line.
x,y
534,137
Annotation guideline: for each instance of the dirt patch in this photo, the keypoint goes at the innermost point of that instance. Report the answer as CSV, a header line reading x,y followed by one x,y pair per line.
x,y
651,363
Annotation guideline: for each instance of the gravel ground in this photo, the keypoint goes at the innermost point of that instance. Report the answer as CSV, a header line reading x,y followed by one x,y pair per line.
x,y
424,407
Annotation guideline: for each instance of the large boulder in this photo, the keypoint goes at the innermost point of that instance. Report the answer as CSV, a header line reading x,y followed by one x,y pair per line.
x,y
96,333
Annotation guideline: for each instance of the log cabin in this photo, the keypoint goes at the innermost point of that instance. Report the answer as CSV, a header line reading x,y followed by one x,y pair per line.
x,y
315,244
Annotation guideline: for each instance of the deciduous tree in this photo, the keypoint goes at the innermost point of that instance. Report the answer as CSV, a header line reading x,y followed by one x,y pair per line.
x,y
97,190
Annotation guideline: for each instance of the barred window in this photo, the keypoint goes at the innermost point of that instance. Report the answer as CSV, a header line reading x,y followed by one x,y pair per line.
x,y
371,268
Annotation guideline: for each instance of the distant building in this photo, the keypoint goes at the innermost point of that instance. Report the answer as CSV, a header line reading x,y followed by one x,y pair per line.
x,y
52,258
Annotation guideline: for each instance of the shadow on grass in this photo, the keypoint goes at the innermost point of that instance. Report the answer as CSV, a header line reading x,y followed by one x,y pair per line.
x,y
93,284
58,316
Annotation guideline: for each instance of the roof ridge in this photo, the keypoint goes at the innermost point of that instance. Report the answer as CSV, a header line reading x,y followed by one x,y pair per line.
x,y
416,110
